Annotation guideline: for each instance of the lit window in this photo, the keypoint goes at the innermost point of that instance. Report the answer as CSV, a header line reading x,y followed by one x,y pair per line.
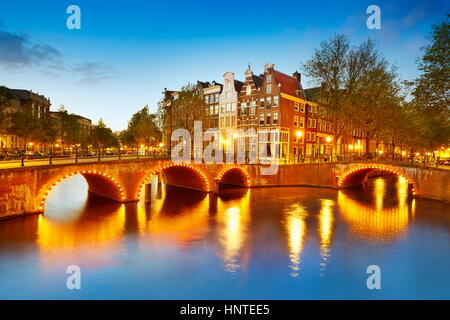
x,y
296,107
275,118
275,101
295,121
269,103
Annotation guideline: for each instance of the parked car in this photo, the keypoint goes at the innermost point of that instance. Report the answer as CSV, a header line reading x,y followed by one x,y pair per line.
x,y
37,155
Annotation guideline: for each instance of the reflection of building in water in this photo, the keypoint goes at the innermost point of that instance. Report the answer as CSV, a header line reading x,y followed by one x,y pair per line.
x,y
233,218
377,222
181,217
325,231
94,232
295,224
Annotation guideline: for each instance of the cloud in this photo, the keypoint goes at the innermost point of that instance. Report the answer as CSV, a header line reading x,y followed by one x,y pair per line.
x,y
18,51
92,73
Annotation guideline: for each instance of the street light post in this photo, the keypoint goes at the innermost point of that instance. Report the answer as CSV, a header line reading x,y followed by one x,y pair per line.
x,y
299,135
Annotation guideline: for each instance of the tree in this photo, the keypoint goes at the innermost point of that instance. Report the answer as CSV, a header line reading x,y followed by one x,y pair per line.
x,y
25,125
432,88
5,103
48,131
69,127
103,136
143,128
357,85
187,108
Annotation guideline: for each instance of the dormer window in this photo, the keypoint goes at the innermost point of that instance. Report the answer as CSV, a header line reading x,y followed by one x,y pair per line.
x,y
269,78
249,90
268,88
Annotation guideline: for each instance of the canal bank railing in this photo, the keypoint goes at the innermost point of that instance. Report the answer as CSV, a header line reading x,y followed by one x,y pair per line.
x,y
50,156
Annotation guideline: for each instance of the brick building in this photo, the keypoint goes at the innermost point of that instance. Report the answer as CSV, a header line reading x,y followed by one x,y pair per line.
x,y
14,100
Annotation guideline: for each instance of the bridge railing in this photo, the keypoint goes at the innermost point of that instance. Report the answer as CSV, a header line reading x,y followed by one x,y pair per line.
x,y
48,156
40,156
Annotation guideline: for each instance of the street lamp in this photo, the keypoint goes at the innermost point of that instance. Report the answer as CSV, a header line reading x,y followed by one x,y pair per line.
x,y
328,140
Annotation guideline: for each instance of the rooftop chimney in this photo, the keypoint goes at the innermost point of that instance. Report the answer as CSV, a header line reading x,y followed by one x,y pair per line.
x,y
297,76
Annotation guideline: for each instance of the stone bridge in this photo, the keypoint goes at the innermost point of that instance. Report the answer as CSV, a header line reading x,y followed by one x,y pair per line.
x,y
24,190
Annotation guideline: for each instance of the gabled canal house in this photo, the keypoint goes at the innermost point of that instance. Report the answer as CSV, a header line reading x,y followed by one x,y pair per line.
x,y
281,114
247,118
211,93
228,105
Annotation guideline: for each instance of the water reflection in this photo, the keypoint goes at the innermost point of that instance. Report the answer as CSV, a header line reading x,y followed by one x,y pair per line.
x,y
326,220
168,222
295,224
100,222
233,218
187,244
384,221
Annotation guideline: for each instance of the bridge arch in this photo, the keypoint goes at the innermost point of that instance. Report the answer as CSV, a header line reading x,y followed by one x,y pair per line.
x,y
178,175
358,175
235,176
98,182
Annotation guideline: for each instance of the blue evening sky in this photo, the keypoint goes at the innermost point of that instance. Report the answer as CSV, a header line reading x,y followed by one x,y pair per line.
x,y
127,51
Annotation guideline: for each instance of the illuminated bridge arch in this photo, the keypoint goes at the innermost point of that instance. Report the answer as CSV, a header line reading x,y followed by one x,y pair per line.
x,y
178,175
358,175
234,176
98,182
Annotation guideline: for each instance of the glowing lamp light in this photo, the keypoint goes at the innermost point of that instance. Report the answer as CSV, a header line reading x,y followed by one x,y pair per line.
x,y
235,136
350,147
299,134
328,139
161,145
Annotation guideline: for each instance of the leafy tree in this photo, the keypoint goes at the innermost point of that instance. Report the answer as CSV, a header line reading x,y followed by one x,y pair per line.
x,y
5,102
48,131
143,128
187,108
69,127
103,136
357,85
432,89
25,125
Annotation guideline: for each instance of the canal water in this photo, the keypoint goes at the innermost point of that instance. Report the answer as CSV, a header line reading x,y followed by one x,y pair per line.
x,y
267,243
